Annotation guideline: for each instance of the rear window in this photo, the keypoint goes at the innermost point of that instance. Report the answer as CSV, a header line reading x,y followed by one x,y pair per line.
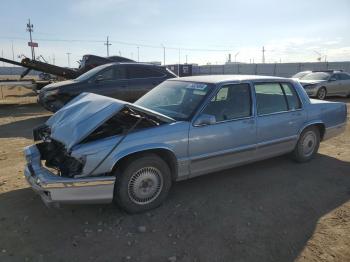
x,y
276,97
292,97
270,98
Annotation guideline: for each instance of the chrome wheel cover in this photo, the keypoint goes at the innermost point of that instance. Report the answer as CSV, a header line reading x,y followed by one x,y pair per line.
x,y
309,143
322,93
145,185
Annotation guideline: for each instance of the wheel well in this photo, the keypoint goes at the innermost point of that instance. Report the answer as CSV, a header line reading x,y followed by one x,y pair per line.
x,y
164,154
325,88
321,127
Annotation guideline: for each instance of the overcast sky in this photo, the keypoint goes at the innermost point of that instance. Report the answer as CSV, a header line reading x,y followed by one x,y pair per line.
x,y
205,31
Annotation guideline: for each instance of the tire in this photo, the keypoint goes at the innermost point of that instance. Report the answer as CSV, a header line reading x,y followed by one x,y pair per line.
x,y
321,93
142,184
307,145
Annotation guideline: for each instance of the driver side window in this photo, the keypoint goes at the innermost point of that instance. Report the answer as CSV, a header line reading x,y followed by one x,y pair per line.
x,y
230,102
107,74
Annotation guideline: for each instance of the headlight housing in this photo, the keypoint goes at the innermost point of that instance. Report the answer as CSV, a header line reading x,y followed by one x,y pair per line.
x,y
310,86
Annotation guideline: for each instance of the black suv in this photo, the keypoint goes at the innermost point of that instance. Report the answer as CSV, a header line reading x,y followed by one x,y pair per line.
x,y
124,81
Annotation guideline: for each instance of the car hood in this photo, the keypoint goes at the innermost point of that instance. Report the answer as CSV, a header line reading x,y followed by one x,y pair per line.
x,y
56,85
82,115
311,82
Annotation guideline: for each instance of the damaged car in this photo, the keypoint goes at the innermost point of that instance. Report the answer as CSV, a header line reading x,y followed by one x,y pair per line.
x,y
98,149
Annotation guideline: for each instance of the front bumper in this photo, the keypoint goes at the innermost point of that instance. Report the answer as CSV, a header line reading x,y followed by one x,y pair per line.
x,y
55,189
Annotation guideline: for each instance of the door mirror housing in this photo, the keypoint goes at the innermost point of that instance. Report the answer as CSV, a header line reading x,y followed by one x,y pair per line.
x,y
99,78
332,79
205,119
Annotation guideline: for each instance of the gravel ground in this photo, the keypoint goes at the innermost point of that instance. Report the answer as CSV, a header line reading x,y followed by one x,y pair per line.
x,y
273,210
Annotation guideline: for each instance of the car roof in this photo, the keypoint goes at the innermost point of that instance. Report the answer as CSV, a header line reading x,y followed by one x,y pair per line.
x,y
134,63
216,79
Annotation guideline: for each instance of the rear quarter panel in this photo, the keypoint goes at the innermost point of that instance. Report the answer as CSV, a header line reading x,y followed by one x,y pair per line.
x,y
329,113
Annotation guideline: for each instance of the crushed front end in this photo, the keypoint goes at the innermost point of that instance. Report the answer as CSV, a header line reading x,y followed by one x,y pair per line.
x,y
55,189
51,172
65,164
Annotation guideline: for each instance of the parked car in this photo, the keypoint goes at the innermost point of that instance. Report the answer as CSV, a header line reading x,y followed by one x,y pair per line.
x,y
321,84
301,74
126,81
106,150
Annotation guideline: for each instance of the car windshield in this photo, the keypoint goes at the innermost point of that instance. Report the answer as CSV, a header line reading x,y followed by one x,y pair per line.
x,y
316,76
87,75
176,99
300,74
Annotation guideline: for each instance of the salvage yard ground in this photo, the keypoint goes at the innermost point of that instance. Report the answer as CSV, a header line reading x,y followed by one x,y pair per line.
x,y
273,210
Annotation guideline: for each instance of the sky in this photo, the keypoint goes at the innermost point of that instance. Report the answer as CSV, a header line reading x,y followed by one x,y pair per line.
x,y
200,31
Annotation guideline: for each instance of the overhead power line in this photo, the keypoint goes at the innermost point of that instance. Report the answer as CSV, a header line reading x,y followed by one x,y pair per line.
x,y
121,43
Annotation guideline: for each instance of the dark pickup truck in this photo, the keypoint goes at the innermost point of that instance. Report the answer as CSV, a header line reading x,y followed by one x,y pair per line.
x,y
124,81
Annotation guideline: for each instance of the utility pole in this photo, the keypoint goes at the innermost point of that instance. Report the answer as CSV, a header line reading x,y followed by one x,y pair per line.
x,y
138,54
107,44
53,58
68,57
186,59
30,30
263,55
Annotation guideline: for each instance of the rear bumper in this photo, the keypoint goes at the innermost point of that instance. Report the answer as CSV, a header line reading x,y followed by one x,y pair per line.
x,y
334,131
54,189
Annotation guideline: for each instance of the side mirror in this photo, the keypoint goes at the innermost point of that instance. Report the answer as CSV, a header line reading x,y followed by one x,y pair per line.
x,y
99,78
332,79
204,120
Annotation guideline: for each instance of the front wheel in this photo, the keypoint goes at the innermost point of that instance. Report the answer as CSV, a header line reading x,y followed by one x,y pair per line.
x,y
307,145
322,93
142,184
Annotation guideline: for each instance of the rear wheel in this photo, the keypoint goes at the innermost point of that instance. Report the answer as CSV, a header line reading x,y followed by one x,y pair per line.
x,y
307,145
142,184
322,93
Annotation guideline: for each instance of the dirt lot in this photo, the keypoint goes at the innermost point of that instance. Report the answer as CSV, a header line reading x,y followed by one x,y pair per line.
x,y
273,210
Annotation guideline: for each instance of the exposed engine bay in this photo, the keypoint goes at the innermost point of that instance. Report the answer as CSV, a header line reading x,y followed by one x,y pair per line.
x,y
55,155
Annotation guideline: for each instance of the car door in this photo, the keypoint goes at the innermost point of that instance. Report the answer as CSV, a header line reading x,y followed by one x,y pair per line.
x,y
231,138
334,85
142,78
280,116
345,84
111,82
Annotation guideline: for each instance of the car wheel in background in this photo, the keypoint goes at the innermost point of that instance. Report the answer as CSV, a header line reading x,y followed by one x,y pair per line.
x,y
321,93
142,183
307,145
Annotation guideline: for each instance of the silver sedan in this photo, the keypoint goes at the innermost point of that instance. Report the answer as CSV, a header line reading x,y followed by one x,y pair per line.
x,y
326,83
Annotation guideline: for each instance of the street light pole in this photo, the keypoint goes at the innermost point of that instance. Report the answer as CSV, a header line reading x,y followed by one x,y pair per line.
x,y
163,55
178,66
236,56
138,54
68,57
